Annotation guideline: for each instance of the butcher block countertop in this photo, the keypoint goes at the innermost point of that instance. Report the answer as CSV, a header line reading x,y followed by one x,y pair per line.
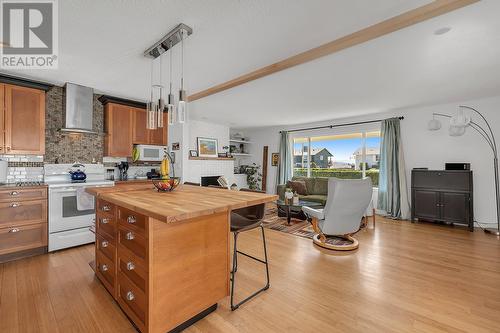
x,y
185,202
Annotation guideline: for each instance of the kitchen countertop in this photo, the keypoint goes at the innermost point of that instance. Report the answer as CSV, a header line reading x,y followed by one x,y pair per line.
x,y
11,186
185,202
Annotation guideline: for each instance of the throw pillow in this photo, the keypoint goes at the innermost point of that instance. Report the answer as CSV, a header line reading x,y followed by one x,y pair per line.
x,y
298,186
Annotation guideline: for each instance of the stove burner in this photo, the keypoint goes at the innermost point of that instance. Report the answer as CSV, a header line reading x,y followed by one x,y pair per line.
x,y
29,183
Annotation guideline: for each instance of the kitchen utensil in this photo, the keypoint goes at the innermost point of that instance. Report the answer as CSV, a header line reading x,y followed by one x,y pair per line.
x,y
76,172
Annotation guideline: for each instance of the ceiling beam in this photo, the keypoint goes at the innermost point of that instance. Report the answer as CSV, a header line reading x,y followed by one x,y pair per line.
x,y
409,18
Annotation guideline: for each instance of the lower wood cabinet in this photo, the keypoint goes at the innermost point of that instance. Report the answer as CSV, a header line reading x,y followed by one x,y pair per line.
x,y
23,223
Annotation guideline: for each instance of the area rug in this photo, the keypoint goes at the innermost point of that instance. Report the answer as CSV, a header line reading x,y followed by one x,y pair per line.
x,y
297,227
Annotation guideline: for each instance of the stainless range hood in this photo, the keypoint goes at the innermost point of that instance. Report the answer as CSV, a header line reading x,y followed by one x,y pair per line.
x,y
78,109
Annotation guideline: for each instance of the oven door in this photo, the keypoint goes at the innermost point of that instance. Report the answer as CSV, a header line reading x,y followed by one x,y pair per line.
x,y
63,212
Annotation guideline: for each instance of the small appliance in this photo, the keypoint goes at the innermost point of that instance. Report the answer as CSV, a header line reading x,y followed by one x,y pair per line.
x,y
151,153
3,171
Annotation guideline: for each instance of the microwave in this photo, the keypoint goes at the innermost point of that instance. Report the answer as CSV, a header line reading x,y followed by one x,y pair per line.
x,y
150,153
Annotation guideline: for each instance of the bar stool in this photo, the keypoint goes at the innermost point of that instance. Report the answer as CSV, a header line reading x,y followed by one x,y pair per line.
x,y
245,219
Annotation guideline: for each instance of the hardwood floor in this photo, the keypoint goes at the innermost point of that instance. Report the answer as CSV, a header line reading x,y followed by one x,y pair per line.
x,y
403,278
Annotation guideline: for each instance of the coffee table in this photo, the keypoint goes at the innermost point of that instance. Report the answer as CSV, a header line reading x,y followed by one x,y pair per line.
x,y
295,211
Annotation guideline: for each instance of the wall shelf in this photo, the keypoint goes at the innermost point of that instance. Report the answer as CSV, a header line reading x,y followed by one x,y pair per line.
x,y
241,154
238,141
211,158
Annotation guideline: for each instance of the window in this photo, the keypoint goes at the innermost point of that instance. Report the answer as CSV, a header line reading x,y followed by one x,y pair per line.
x,y
349,156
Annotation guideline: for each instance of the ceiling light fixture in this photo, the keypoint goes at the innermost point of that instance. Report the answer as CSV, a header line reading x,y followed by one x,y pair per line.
x,y
155,109
442,31
152,106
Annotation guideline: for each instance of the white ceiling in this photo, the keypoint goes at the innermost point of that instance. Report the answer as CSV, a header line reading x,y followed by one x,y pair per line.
x,y
101,45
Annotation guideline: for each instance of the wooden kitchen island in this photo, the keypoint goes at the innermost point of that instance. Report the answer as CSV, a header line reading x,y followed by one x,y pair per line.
x,y
165,256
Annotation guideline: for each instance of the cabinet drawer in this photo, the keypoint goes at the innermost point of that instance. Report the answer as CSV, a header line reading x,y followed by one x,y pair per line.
x,y
132,300
105,225
24,237
132,220
105,271
133,242
22,212
105,207
15,194
442,180
133,269
106,246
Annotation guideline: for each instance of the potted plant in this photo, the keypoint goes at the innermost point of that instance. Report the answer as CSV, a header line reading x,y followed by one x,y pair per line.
x,y
254,177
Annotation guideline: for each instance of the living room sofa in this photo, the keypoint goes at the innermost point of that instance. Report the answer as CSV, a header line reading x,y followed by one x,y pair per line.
x,y
317,189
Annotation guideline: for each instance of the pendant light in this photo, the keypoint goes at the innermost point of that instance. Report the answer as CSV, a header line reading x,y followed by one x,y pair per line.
x,y
151,106
170,100
161,101
182,105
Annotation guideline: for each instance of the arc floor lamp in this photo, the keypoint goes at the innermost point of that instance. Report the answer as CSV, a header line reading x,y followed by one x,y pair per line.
x,y
458,125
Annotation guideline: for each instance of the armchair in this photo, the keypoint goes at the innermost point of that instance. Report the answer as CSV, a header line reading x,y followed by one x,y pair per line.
x,y
345,206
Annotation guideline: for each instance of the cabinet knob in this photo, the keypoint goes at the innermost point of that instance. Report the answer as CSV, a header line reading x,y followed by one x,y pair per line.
x,y
130,266
15,204
105,208
104,244
8,148
13,193
131,219
14,230
129,235
104,220
130,296
104,267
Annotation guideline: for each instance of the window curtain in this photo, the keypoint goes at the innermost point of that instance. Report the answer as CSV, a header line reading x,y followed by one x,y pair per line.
x,y
285,161
392,192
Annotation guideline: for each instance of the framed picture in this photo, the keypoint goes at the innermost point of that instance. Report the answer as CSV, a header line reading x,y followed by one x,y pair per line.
x,y
207,147
275,158
175,146
222,155
193,153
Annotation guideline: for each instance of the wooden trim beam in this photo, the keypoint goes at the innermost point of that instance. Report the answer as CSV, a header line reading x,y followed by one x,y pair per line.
x,y
409,18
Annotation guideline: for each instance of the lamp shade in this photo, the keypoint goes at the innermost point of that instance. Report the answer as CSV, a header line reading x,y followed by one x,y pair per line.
x,y
456,130
434,124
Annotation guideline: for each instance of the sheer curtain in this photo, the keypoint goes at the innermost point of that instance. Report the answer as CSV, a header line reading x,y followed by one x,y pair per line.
x,y
392,192
285,161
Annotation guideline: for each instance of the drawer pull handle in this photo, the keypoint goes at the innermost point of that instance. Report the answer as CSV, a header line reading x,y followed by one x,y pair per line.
x,y
130,266
14,230
130,296
14,193
104,244
131,219
129,236
15,204
106,208
104,221
104,268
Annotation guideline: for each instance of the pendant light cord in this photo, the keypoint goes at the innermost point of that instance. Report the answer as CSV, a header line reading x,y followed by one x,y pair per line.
x,y
171,67
182,59
152,69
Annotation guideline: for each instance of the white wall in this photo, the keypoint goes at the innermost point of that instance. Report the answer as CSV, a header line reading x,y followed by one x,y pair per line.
x,y
422,148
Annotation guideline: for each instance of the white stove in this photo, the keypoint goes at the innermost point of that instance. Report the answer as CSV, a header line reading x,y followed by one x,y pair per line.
x,y
68,225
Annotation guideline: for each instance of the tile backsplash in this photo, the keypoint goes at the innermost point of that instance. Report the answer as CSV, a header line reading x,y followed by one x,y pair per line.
x,y
24,168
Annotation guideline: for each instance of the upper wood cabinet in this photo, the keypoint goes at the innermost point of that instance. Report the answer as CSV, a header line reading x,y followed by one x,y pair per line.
x,y
22,120
125,126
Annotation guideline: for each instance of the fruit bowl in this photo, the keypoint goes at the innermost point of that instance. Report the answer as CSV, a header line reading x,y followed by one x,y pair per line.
x,y
166,185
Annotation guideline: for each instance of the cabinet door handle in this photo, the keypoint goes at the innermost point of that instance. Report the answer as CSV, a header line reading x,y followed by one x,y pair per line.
x,y
129,235
104,220
130,296
131,219
130,266
14,230
104,267
105,208
8,148
104,244
15,204
13,193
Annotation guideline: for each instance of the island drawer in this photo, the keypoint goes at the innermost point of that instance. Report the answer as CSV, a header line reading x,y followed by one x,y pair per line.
x,y
133,242
17,213
132,220
106,246
132,300
133,269
15,194
105,271
105,208
105,225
